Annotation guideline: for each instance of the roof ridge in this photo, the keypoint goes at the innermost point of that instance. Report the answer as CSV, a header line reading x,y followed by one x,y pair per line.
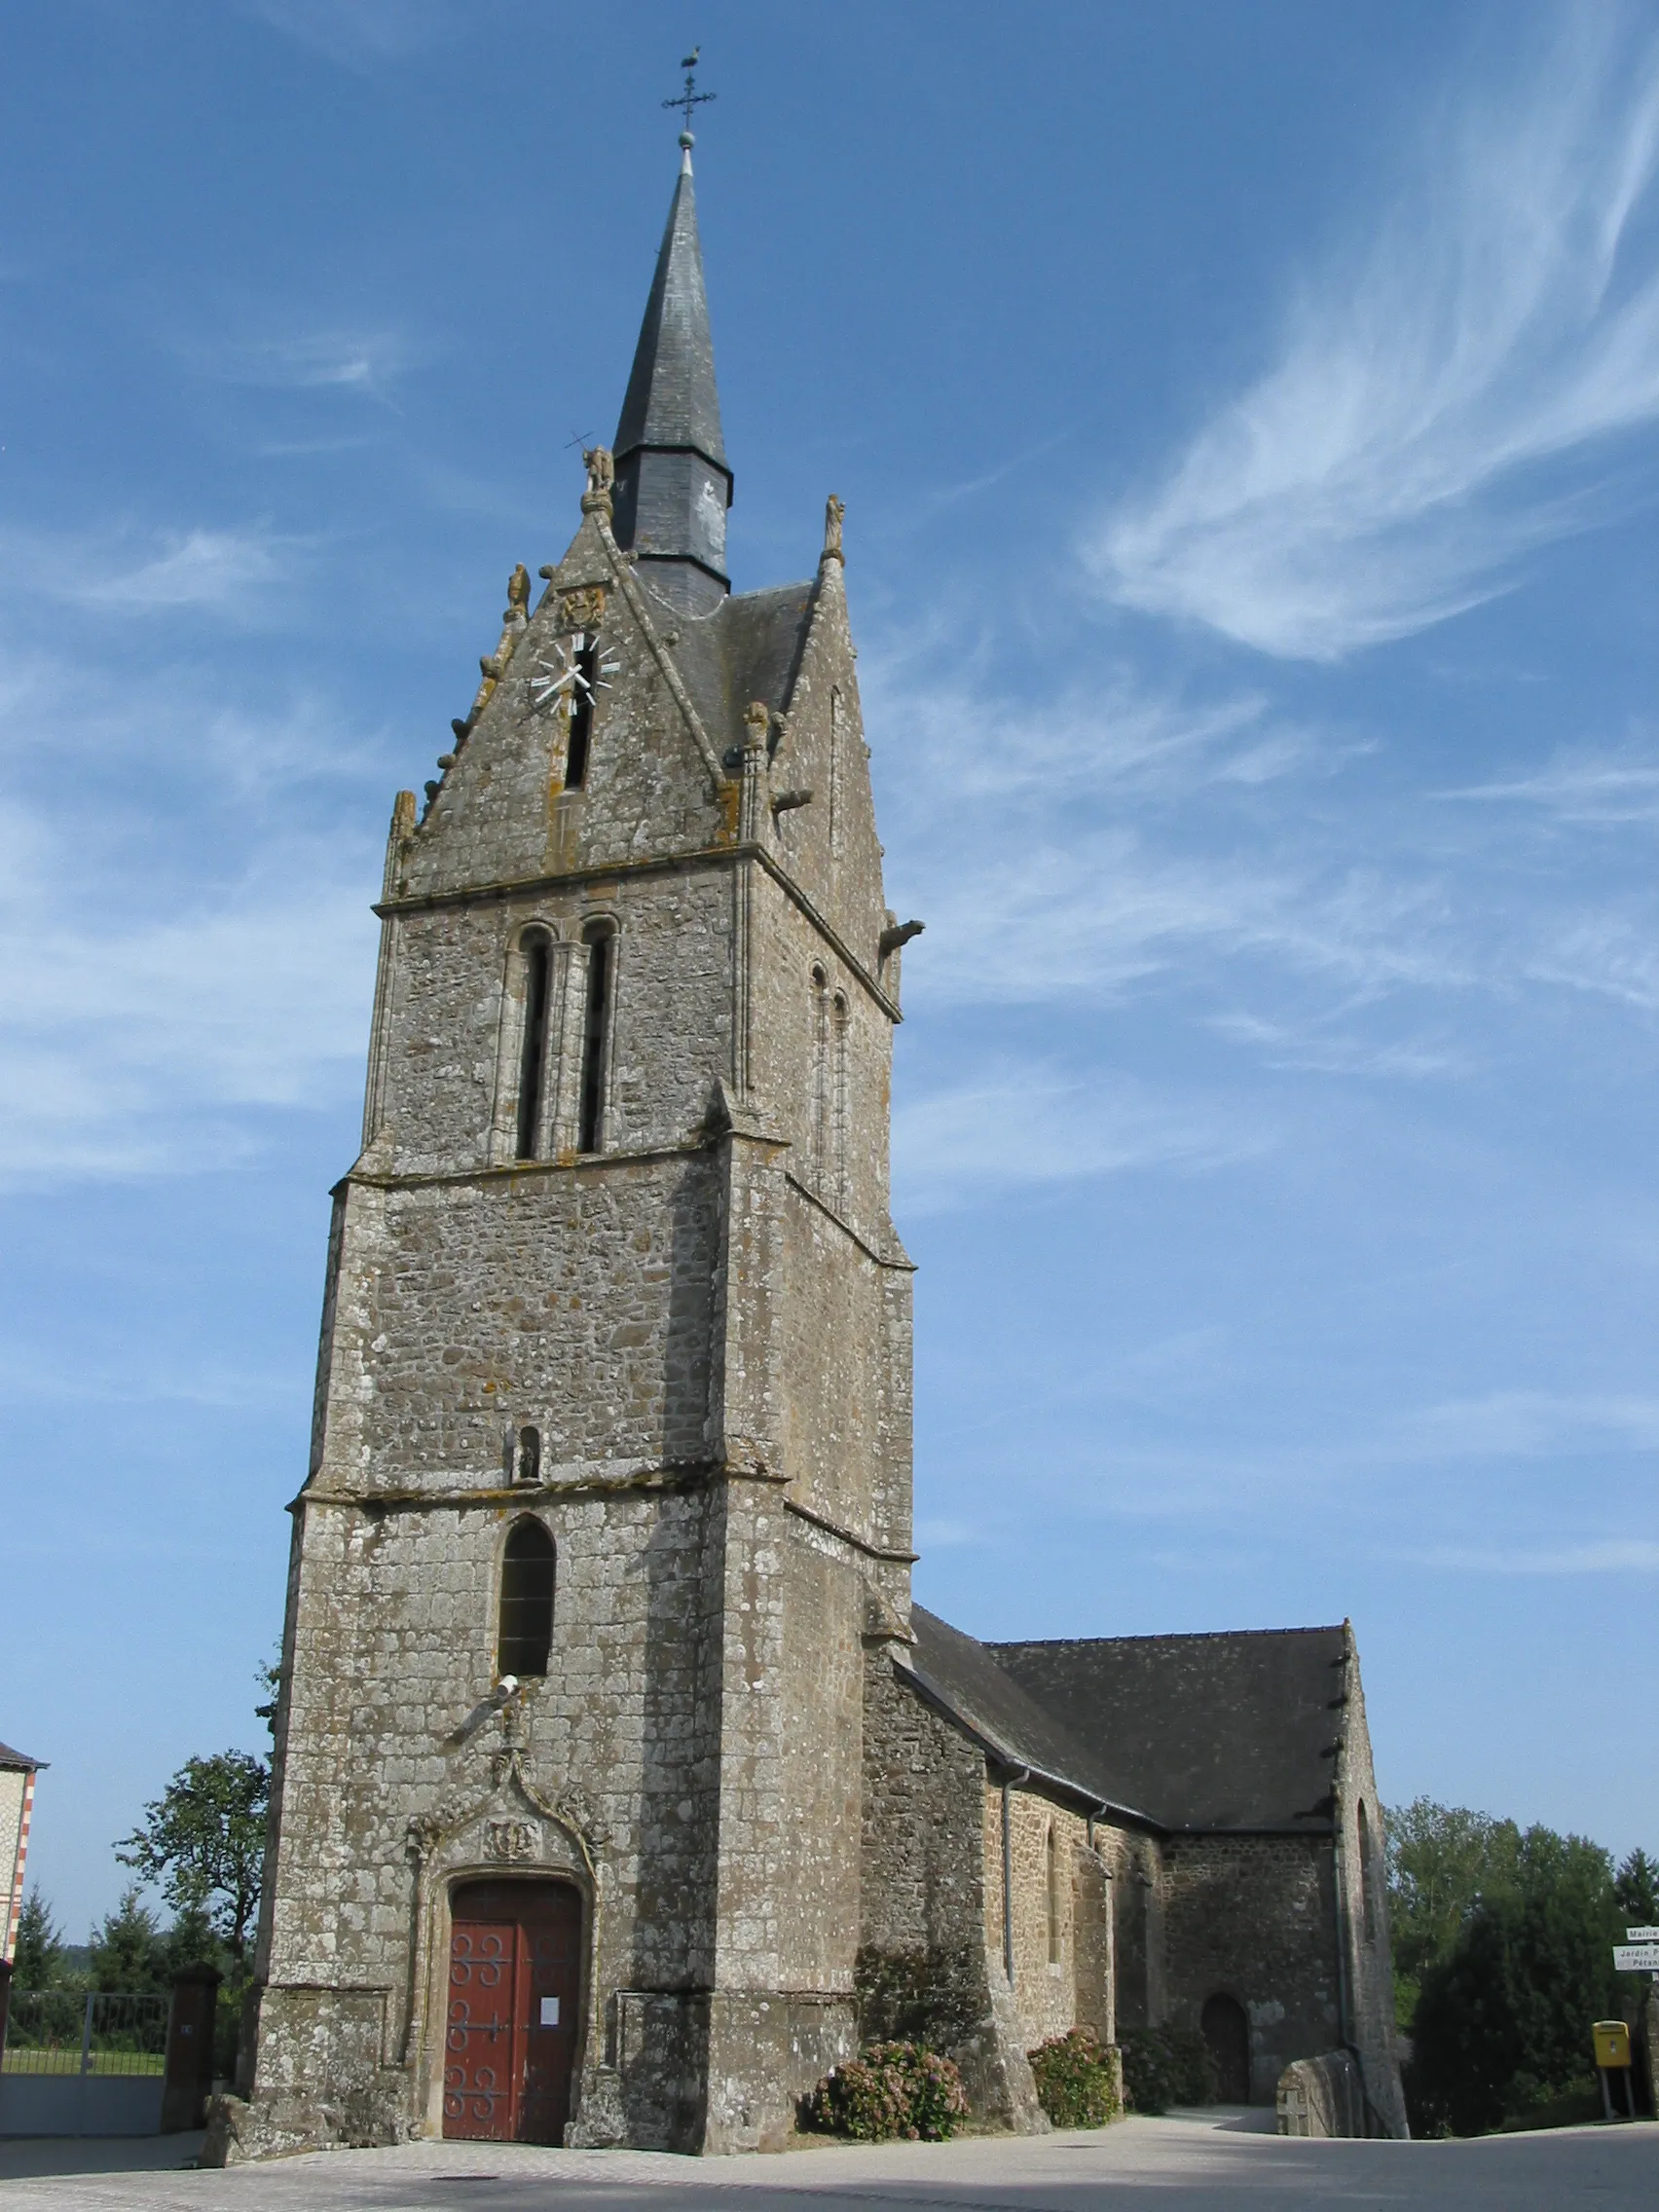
x,y
1158,1635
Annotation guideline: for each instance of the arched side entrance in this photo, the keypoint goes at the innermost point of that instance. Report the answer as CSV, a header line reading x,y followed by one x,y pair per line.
x,y
1227,2036
513,2011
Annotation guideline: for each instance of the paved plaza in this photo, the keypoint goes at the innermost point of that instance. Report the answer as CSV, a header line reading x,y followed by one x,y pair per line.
x,y
1213,2163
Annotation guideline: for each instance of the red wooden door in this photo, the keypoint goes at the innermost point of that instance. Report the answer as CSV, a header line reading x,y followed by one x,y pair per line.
x,y
515,1982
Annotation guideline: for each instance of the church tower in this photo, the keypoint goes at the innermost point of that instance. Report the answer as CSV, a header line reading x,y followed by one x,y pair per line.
x,y
610,1488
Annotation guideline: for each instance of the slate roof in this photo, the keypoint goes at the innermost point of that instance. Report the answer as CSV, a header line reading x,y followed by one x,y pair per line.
x,y
15,1762
1230,1731
963,1677
746,649
671,399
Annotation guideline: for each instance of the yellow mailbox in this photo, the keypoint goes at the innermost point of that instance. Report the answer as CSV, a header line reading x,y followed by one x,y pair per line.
x,y
1612,2043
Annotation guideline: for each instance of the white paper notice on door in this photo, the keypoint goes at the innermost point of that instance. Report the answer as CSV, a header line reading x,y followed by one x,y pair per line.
x,y
549,2011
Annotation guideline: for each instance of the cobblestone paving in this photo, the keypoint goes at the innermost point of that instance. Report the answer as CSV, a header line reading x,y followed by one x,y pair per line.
x,y
1144,2165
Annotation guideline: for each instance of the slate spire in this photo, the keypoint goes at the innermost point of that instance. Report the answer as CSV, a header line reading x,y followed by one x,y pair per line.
x,y
673,485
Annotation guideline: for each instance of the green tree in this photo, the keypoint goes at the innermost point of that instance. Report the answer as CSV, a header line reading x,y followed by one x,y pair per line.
x,y
268,1676
38,1963
1443,1861
203,1841
127,1950
1502,2025
1637,1889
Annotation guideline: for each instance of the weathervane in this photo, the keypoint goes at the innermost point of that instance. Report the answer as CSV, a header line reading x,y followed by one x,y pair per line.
x,y
690,97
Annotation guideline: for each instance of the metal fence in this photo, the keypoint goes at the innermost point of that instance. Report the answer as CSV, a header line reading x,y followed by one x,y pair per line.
x,y
68,2031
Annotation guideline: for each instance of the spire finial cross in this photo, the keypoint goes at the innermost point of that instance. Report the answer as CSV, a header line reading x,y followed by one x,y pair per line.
x,y
690,97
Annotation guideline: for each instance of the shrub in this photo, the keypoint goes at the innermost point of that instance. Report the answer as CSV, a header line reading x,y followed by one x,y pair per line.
x,y
1074,2082
1166,2066
895,2088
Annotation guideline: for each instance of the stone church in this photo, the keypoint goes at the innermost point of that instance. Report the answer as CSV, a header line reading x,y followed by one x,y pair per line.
x,y
619,1783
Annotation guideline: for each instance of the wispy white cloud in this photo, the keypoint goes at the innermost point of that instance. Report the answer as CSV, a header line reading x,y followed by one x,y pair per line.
x,y
1127,840
1535,1423
1088,918
1027,1125
1612,955
358,32
1315,1047
368,362
1587,788
936,1534
1387,471
121,569
1614,1554
131,1052
1074,848
1116,736
166,977
142,1379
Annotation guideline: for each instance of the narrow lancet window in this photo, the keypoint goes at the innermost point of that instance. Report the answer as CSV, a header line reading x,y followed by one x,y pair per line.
x,y
818,1103
586,666
533,1056
591,1132
527,1600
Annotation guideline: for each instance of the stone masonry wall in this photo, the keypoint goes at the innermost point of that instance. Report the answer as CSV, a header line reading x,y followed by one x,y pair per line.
x,y
1253,1917
1369,1994
615,1729
1134,1865
451,975
1061,1958
578,1300
926,1967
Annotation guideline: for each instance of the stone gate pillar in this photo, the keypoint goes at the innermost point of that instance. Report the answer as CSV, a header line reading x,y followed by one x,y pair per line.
x,y
186,2079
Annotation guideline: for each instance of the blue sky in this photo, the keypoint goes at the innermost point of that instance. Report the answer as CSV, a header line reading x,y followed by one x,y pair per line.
x,y
1248,420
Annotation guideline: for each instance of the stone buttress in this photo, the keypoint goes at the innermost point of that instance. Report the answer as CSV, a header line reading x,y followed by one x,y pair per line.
x,y
615,1259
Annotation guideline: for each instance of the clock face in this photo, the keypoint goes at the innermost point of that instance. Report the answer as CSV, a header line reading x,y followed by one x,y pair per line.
x,y
572,671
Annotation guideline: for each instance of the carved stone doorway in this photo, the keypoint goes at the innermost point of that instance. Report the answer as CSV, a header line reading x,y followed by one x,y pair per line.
x,y
1227,2033
514,1995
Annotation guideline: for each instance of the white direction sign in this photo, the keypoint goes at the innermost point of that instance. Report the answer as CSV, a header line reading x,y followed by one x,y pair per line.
x,y
1642,1935
1636,1958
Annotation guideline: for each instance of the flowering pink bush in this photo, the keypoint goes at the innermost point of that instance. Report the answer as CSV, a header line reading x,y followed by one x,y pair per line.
x,y
895,2088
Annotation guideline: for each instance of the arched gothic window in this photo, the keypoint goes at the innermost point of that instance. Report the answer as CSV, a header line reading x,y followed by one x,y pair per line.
x,y
526,1629
537,953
